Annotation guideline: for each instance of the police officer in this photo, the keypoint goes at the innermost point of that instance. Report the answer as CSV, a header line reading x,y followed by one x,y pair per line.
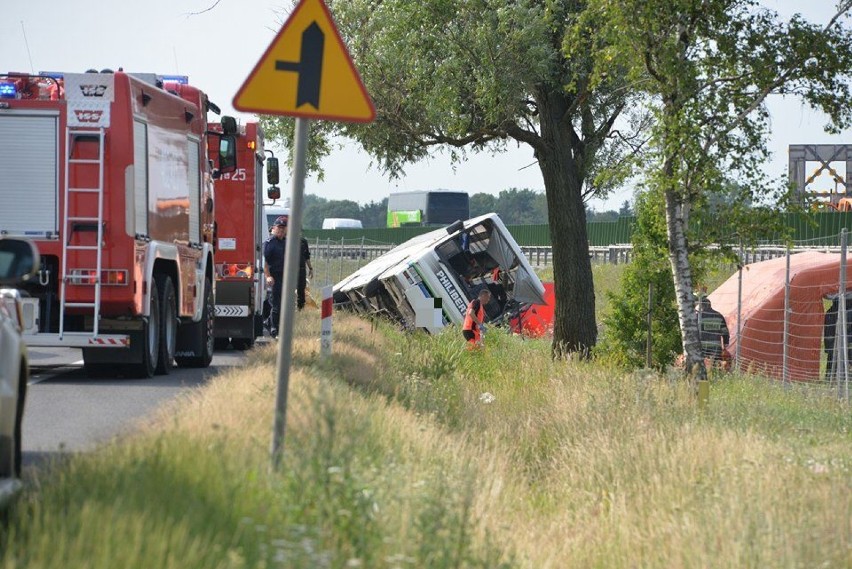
x,y
713,330
273,254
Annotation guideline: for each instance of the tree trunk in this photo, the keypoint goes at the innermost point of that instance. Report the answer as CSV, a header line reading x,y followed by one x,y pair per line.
x,y
575,328
676,220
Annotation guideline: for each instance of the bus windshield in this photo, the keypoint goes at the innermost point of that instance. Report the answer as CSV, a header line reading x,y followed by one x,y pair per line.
x,y
447,207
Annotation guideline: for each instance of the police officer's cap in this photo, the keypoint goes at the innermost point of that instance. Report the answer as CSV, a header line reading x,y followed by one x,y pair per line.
x,y
281,220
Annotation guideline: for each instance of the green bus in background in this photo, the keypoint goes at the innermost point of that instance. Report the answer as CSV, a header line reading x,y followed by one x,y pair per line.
x,y
435,207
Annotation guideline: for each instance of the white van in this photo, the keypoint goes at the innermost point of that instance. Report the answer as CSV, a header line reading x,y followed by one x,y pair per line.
x,y
341,223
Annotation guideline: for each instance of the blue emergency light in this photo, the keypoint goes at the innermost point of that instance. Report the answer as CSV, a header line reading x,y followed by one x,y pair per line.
x,y
182,79
8,91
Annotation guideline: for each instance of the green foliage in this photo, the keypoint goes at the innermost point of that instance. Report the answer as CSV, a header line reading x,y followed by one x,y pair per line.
x,y
514,206
317,209
707,68
456,76
321,141
625,328
443,72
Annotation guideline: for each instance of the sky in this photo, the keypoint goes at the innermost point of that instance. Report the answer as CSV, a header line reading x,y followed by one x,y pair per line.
x,y
218,48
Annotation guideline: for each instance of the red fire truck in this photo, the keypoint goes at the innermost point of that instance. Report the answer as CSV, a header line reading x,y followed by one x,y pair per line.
x,y
240,231
108,174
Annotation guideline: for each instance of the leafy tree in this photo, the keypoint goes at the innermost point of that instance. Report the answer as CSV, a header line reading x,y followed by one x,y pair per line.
x,y
461,75
708,67
626,210
514,206
374,214
481,203
522,207
609,215
314,211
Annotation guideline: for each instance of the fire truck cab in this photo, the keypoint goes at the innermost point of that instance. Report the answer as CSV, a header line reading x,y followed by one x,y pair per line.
x,y
108,174
240,233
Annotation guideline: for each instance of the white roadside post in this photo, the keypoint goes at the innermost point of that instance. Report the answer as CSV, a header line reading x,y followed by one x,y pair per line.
x,y
325,327
306,72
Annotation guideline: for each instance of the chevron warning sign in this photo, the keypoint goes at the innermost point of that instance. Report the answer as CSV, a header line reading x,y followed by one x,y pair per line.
x,y
231,311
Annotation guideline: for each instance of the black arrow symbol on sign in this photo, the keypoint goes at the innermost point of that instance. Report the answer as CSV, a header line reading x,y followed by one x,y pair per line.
x,y
309,66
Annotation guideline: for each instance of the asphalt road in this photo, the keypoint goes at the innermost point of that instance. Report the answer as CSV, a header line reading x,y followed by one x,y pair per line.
x,y
67,411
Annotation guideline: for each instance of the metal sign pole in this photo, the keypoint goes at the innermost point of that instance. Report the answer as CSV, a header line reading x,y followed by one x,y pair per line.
x,y
288,290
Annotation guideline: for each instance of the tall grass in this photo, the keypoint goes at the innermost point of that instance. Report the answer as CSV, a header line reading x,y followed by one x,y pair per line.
x,y
611,469
364,483
410,451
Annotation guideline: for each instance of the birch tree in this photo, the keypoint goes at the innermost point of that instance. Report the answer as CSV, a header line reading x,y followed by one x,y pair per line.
x,y
708,67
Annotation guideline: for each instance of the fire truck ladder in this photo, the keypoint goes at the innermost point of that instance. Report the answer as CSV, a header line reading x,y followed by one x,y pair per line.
x,y
71,219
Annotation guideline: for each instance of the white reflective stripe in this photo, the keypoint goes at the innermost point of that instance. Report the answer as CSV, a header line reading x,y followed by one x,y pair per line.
x,y
77,340
194,187
140,176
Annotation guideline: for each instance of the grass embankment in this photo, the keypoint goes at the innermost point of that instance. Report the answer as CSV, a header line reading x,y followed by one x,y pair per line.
x,y
408,451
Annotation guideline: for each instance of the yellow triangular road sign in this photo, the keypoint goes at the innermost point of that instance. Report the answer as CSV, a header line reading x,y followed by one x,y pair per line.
x,y
307,72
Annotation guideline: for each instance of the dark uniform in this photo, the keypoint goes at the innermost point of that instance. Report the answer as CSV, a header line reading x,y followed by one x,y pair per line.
x,y
713,330
829,330
829,337
273,254
304,256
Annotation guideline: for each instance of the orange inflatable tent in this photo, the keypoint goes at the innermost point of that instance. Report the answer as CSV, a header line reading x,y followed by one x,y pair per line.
x,y
814,276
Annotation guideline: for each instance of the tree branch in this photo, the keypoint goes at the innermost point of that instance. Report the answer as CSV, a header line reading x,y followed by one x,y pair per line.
x,y
216,3
527,136
766,91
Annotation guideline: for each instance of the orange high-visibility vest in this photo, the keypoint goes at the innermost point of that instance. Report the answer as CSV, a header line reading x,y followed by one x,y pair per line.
x,y
469,324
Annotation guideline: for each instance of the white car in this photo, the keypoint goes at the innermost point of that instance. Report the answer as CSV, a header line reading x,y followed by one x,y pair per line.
x,y
19,262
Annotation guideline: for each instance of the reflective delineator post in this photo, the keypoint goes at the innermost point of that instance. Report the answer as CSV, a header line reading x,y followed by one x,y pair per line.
x,y
325,327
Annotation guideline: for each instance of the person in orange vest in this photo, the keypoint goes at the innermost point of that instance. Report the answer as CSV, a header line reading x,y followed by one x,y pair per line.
x,y
474,318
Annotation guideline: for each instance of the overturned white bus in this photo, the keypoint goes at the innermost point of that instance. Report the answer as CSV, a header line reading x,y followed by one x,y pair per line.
x,y
428,281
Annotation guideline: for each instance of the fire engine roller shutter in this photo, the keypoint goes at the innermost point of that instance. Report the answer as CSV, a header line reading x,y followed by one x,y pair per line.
x,y
28,174
194,180
140,176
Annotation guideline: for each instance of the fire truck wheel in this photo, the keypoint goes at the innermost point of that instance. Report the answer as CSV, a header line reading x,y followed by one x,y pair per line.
x,y
150,339
168,323
204,329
